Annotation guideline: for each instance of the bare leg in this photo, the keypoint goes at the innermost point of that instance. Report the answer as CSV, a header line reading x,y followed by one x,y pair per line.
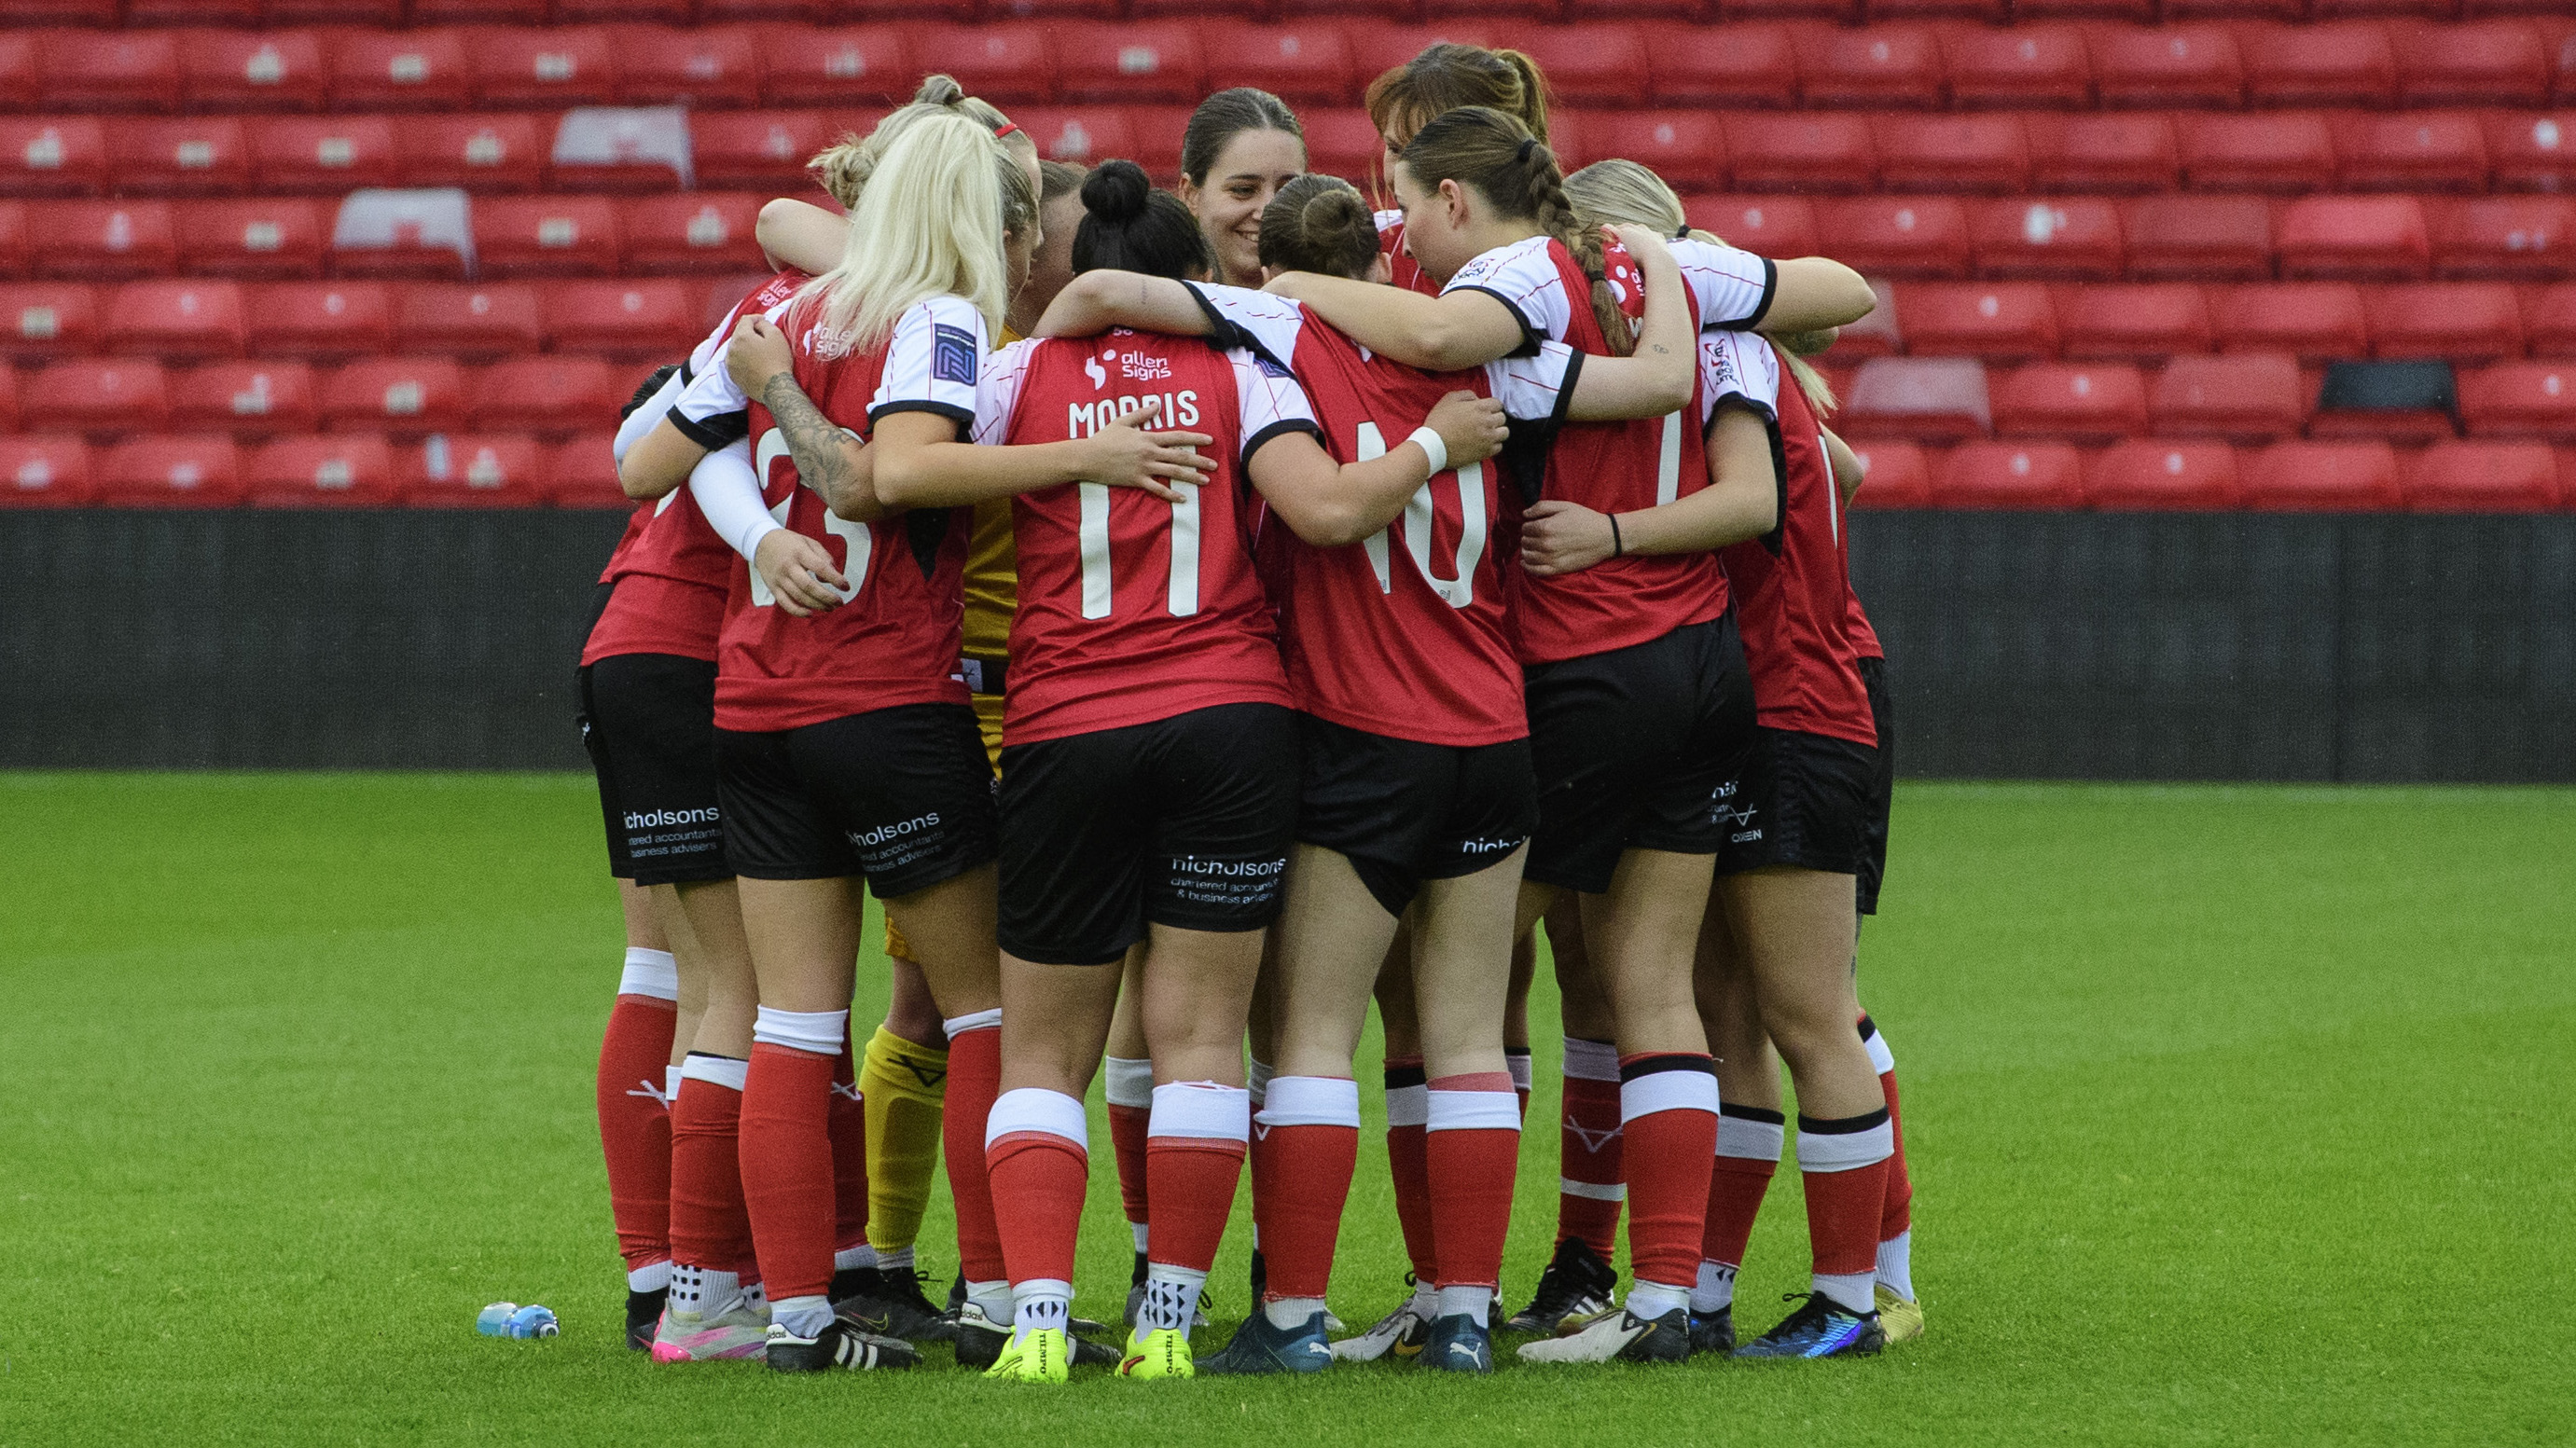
x,y
1796,929
1333,938
713,910
1462,954
1643,934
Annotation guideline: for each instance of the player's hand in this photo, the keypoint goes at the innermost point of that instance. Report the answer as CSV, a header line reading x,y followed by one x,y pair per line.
x,y
1561,537
799,572
1125,455
1472,427
1640,242
757,353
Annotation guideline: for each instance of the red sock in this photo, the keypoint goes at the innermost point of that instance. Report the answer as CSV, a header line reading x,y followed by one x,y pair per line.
x,y
1194,1149
1408,1112
1589,1185
849,1128
1037,1172
709,1227
1305,1143
1471,1146
787,1179
1127,1143
1843,1164
1748,1154
1897,1217
1668,1105
974,1079
635,1125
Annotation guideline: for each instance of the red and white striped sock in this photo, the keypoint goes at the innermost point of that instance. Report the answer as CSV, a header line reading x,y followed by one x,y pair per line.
x,y
1589,1185
1472,1145
635,1114
1307,1139
1668,1115
974,1081
787,1169
1748,1154
1194,1149
1408,1112
1131,1108
1038,1156
710,1228
1843,1164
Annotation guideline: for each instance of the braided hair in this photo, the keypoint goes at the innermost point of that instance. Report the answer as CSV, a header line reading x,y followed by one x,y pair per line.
x,y
1493,153
1318,223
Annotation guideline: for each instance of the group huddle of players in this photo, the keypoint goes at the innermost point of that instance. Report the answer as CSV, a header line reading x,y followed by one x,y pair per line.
x,y
1301,604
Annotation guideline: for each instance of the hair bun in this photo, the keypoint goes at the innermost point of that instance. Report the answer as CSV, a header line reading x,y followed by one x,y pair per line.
x,y
1335,209
1117,192
939,90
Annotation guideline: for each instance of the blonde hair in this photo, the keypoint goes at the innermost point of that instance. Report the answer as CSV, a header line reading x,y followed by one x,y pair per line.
x,y
931,221
843,168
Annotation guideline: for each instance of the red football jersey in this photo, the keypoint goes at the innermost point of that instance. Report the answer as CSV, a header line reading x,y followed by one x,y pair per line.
x,y
895,638
1792,605
1403,634
1133,609
1864,638
1402,269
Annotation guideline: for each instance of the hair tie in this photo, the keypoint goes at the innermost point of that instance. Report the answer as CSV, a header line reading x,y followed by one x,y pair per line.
x,y
1004,129
1528,145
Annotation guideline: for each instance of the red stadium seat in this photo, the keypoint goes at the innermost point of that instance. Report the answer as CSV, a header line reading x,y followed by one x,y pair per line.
x,y
98,240
2030,65
2371,9
1155,132
582,473
560,65
1381,36
177,319
2411,151
2101,152
122,70
2200,237
1638,9
1741,65
1932,399
1300,63
1999,320
1895,475
549,394
1766,225
546,235
1951,153
493,12
692,231
2171,65
47,471
2343,64
1897,236
1875,335
191,156
247,399
2144,320
2068,239
1007,63
2245,397
341,12
2548,322
1989,11
2312,320
1878,65
2531,152
2141,11
2327,477
1815,151
2496,62
201,470
2482,477
13,238
2021,475
1844,10
1081,135
2466,321
763,148
342,470
2266,151
2354,236
1686,148
635,320
2071,402
401,395
420,233
1129,62
717,65
672,11
479,470
66,12
44,320
480,152
330,154
2140,476
620,148
839,66
472,321
2510,399
52,156
1594,64
8,399
264,238
18,68
101,396
1342,143
399,69
243,70
319,320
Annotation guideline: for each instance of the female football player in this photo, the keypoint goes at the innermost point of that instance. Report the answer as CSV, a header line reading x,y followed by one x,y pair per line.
x,y
1240,147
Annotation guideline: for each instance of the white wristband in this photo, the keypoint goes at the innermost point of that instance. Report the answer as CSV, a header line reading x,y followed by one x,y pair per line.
x,y
1430,442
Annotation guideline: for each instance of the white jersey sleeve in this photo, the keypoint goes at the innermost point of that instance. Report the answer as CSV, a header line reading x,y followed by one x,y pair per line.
x,y
1739,367
1732,287
932,362
997,392
644,419
711,411
1244,317
1523,277
1270,402
1537,388
728,493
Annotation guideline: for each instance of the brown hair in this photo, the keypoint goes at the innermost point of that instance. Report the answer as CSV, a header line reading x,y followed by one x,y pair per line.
x,y
1227,114
843,167
1319,223
1449,75
1057,180
1515,172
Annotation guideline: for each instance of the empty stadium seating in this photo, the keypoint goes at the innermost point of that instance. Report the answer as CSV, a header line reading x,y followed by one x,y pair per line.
x,y
302,252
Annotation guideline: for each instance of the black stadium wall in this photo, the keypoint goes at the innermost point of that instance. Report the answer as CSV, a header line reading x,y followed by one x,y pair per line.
x,y
2240,646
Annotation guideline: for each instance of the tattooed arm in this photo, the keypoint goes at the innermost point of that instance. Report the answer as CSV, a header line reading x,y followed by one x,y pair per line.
x,y
830,459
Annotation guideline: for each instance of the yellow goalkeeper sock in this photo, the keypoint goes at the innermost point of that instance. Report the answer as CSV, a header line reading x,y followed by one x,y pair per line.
x,y
901,1086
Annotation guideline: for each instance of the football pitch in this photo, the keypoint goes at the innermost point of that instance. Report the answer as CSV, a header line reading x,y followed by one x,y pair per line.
x,y
2235,1115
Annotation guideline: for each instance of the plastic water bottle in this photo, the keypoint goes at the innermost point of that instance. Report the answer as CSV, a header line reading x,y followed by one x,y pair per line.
x,y
509,1319
494,1321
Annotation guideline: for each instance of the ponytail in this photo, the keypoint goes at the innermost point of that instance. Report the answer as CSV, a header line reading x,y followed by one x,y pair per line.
x,y
931,221
1515,172
1448,75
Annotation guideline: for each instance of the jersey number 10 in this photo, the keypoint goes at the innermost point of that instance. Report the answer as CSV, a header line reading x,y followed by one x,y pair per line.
x,y
1459,591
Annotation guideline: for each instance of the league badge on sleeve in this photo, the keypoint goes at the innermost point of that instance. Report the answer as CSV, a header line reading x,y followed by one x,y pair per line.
x,y
952,354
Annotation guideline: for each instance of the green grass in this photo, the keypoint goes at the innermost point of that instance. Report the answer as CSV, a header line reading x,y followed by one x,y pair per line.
x,y
2237,1115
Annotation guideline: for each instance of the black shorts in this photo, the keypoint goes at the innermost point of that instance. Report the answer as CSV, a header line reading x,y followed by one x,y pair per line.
x,y
648,721
1882,783
1183,822
1631,747
1802,800
902,796
1404,811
